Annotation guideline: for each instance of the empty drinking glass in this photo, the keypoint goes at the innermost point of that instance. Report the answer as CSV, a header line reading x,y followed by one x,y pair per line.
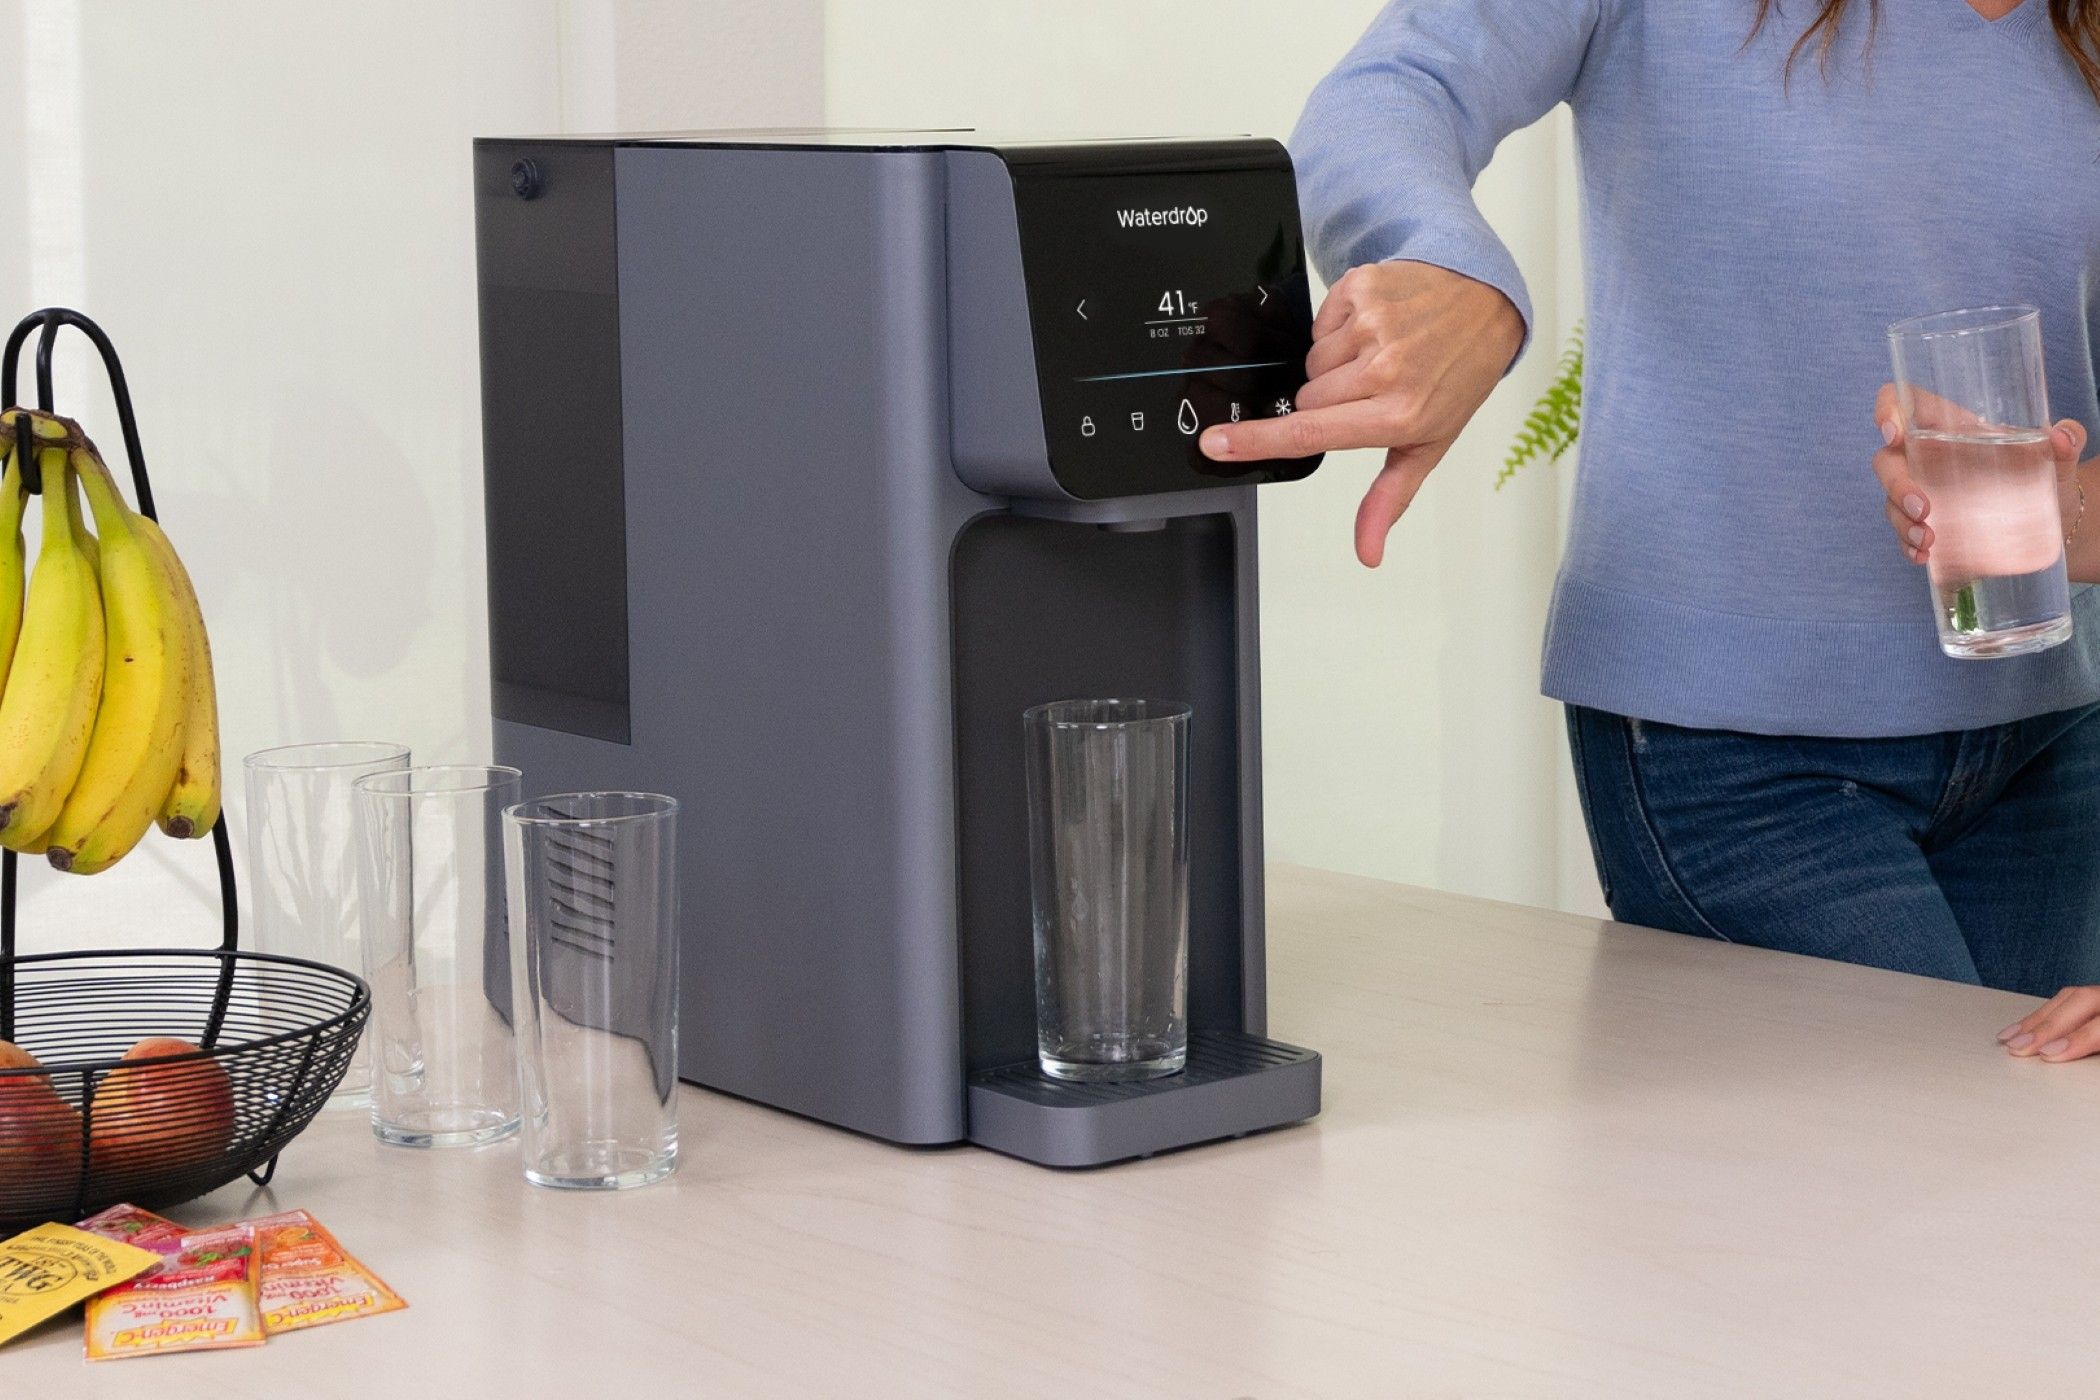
x,y
1109,874
436,954
1975,408
594,965
302,863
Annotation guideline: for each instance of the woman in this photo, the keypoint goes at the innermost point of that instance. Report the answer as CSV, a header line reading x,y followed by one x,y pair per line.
x,y
1770,745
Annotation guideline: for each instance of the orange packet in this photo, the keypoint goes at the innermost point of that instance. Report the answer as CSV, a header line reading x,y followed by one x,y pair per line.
x,y
201,1298
308,1280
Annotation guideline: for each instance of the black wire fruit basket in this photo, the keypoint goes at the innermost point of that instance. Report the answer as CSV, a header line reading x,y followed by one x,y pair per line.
x,y
232,1052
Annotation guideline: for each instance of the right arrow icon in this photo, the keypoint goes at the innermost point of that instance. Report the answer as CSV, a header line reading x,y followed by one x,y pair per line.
x,y
1264,296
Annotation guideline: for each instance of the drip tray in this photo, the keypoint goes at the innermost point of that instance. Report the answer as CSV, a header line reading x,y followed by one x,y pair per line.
x,y
1234,1084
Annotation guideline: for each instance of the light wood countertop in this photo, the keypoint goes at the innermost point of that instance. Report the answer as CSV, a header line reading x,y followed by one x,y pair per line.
x,y
1559,1158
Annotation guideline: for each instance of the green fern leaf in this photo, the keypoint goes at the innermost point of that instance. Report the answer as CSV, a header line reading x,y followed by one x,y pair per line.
x,y
1555,422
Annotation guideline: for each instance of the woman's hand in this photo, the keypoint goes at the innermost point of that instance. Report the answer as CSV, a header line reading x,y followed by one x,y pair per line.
x,y
2065,1027
1908,508
1404,353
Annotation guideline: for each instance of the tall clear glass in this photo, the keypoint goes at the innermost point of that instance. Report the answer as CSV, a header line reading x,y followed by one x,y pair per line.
x,y
1109,873
594,972
1975,407
436,954
302,864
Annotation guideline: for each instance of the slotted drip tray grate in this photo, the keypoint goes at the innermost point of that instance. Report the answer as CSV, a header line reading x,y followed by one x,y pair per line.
x,y
1234,1084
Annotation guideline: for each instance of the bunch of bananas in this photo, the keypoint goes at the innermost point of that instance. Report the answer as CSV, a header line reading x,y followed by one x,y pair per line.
x,y
108,716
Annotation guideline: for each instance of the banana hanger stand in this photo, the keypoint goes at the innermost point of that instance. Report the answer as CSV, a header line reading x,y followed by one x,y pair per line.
x,y
50,322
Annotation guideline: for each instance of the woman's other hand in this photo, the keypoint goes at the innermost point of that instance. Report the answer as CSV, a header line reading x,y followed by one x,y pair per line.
x,y
1404,353
2065,1027
1909,509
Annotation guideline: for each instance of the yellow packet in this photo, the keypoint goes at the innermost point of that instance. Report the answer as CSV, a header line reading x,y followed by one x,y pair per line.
x,y
308,1280
47,1270
200,1299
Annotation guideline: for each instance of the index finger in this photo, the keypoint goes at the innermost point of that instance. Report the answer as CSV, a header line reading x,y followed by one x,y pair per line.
x,y
1305,433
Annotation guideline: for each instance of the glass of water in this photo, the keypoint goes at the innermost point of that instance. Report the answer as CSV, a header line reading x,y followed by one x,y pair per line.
x,y
1975,408
1109,876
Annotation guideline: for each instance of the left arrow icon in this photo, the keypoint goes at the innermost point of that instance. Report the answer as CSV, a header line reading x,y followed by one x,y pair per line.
x,y
1081,309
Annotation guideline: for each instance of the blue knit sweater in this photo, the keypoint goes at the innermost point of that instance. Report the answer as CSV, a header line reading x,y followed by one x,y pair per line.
x,y
1748,243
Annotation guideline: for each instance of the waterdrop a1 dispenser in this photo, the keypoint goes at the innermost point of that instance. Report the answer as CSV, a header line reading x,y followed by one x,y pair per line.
x,y
814,459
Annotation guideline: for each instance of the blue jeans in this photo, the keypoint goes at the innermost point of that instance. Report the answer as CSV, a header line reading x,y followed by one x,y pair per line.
x,y
1973,856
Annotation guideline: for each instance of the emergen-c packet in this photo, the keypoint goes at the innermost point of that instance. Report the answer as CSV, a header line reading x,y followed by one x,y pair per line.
x,y
308,1280
201,1298
134,1226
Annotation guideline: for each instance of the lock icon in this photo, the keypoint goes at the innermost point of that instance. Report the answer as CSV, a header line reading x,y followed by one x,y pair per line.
x,y
1086,427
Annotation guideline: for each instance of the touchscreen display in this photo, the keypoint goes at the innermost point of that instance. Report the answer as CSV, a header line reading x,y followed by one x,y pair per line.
x,y
1165,296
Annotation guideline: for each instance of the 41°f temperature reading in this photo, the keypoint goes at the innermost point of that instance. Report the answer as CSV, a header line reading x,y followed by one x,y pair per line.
x,y
1178,317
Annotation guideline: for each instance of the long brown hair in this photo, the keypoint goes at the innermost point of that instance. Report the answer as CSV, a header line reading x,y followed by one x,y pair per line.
x,y
2077,28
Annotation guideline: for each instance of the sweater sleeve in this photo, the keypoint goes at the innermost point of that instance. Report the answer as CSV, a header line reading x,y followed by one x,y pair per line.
x,y
1392,140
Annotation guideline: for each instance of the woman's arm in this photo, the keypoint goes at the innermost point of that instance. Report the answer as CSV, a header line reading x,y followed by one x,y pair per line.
x,y
1392,140
1428,310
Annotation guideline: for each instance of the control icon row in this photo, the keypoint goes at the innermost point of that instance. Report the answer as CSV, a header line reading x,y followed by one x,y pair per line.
x,y
1186,420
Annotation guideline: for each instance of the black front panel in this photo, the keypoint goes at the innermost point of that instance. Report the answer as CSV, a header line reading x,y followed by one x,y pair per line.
x,y
1045,610
551,437
1167,292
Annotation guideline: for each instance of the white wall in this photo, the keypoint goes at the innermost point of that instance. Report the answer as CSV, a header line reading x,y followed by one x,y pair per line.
x,y
664,65
1404,733
268,206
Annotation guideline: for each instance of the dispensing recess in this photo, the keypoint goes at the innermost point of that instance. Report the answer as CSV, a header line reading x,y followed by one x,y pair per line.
x,y
815,459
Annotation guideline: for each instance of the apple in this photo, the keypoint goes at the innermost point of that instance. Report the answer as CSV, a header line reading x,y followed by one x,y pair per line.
x,y
151,1116
39,1131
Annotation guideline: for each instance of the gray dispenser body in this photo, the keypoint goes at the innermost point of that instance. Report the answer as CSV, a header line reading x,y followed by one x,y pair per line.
x,y
801,487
